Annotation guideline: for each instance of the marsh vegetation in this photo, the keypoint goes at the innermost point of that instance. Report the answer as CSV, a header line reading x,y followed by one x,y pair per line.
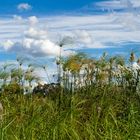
x,y
92,99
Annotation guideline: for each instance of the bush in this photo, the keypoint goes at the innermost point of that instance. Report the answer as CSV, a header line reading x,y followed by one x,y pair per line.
x,y
13,88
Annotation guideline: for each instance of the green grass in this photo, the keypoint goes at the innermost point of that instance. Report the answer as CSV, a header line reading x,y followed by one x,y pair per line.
x,y
107,113
101,104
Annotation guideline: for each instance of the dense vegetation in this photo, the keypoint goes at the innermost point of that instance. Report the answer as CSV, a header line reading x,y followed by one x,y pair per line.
x,y
95,99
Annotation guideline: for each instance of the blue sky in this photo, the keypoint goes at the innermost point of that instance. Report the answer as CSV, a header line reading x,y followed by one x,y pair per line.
x,y
33,28
44,6
59,4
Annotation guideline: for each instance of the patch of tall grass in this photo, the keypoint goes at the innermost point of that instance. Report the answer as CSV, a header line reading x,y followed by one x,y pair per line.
x,y
93,100
104,113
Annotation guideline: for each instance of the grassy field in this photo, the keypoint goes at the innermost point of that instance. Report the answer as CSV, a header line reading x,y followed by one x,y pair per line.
x,y
107,113
101,104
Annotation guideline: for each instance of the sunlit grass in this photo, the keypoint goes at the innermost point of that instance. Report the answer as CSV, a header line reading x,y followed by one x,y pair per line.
x,y
106,113
94,100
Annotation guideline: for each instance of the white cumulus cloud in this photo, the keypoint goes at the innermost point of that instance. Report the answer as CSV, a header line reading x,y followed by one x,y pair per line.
x,y
40,47
35,43
33,20
17,18
7,45
36,34
83,36
24,6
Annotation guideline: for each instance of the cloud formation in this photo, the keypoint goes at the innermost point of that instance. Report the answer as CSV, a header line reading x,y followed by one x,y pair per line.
x,y
17,18
83,36
24,7
119,4
33,20
35,43
7,45
106,29
37,35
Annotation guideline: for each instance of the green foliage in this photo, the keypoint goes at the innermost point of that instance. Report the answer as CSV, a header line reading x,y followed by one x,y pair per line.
x,y
12,88
102,103
103,113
